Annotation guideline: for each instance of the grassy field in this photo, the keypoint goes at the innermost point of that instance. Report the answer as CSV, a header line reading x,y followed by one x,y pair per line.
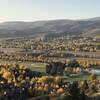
x,y
36,66
78,78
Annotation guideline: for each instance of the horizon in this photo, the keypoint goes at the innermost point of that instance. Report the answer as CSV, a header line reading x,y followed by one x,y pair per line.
x,y
49,20
30,11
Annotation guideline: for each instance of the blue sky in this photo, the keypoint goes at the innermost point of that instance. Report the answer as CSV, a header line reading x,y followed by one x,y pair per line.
x,y
32,10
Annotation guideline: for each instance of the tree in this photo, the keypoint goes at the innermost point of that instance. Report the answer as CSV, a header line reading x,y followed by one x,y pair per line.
x,y
75,93
73,63
55,68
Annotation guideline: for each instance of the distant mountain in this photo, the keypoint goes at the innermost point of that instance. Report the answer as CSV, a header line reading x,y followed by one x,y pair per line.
x,y
94,19
53,28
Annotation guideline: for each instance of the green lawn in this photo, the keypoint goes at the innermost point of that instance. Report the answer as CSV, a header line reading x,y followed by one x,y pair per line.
x,y
35,66
38,67
79,78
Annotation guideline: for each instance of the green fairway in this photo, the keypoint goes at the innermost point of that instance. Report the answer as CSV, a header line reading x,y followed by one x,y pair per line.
x,y
35,66
38,67
79,78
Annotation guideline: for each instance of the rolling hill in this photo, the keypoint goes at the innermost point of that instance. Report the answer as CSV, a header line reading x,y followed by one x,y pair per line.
x,y
52,28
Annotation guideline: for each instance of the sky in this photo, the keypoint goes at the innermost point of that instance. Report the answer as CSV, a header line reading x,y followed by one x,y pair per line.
x,y
33,10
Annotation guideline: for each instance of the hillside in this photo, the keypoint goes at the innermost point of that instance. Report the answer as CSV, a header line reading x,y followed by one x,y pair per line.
x,y
88,27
